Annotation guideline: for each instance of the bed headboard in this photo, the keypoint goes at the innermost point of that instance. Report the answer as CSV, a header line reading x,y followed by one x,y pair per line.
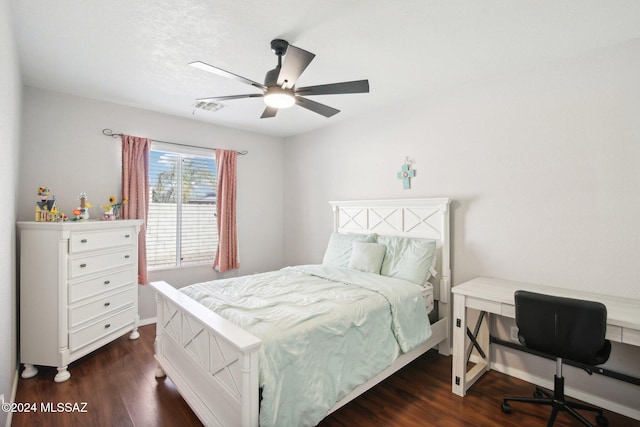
x,y
419,218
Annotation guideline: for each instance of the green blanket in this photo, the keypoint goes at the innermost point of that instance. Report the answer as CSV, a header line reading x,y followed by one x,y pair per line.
x,y
325,330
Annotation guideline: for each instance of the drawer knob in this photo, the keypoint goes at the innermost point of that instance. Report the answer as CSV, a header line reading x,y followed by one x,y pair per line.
x,y
126,236
83,265
126,256
106,282
107,304
107,326
83,241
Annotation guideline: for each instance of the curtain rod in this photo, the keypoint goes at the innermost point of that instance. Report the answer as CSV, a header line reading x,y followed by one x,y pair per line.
x,y
109,132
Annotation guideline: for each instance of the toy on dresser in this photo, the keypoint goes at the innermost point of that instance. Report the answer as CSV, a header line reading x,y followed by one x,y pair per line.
x,y
112,210
83,211
47,209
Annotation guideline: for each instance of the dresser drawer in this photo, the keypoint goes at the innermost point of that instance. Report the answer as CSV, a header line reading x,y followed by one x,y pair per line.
x,y
92,310
102,328
105,283
83,265
83,241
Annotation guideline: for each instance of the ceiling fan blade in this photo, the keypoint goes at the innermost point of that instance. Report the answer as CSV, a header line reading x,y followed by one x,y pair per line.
x,y
316,107
296,61
269,112
357,86
219,71
227,98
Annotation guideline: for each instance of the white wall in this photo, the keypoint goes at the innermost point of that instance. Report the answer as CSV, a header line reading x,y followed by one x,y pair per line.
x,y
64,149
10,92
544,169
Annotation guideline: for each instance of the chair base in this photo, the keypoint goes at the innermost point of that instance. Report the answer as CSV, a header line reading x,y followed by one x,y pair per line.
x,y
558,402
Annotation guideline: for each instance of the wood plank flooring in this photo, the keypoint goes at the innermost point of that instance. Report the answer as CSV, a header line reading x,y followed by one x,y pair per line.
x,y
117,384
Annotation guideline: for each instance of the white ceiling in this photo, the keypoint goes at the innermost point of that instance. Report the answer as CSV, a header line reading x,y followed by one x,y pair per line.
x,y
135,52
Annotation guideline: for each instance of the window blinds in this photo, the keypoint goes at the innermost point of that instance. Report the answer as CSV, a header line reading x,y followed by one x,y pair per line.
x,y
181,226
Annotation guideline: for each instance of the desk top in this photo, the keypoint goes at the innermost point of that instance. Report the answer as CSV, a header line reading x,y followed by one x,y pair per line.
x,y
623,312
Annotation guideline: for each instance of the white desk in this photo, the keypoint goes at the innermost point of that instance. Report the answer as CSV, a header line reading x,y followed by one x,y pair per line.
x,y
495,296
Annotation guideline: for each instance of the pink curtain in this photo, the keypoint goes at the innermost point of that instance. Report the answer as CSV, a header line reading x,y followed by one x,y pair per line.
x,y
227,254
135,189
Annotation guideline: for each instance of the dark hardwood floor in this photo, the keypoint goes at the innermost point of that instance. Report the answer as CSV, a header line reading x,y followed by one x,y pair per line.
x,y
117,384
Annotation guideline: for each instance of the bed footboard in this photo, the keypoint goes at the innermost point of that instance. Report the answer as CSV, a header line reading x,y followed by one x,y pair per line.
x,y
212,362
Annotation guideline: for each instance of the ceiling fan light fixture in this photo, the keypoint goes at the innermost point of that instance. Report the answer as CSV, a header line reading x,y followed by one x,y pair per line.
x,y
279,98
279,88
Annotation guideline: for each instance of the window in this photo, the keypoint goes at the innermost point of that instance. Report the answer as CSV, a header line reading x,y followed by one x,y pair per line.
x,y
181,227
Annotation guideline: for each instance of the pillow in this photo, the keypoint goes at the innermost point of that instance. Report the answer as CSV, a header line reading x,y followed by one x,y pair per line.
x,y
340,246
408,259
367,257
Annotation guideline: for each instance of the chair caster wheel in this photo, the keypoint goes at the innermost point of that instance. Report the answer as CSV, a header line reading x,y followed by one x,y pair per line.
x,y
538,394
506,408
602,420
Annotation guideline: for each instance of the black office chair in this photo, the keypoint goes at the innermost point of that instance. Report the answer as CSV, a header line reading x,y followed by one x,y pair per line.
x,y
563,328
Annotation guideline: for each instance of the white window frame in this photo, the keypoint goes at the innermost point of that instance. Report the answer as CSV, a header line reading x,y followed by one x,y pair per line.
x,y
181,151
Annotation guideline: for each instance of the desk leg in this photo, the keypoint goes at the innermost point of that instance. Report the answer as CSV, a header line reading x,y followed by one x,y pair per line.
x,y
461,379
473,336
458,366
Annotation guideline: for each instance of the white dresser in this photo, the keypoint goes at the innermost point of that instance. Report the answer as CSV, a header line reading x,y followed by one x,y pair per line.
x,y
78,290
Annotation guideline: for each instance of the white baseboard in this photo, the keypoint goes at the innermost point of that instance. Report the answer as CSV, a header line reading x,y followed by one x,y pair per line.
x,y
569,391
149,321
12,399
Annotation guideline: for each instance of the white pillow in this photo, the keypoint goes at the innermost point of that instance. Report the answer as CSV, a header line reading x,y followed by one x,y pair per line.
x,y
408,259
340,246
367,257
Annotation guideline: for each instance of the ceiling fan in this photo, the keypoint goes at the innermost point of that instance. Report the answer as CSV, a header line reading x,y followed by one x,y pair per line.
x,y
279,89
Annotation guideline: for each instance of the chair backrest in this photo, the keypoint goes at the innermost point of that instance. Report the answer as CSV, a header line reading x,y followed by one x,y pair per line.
x,y
563,327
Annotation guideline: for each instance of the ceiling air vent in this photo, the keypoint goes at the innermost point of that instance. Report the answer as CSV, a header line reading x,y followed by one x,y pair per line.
x,y
207,106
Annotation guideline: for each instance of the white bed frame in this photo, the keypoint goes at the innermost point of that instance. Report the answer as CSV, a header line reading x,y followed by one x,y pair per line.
x,y
214,363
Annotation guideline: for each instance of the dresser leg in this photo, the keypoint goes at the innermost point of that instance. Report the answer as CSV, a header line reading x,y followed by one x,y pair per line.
x,y
30,371
62,375
134,334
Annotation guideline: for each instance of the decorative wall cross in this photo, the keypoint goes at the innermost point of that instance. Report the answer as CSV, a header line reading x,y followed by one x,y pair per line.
x,y
406,174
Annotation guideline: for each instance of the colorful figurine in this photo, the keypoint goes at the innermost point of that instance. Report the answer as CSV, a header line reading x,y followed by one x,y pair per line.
x,y
46,210
83,211
112,210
